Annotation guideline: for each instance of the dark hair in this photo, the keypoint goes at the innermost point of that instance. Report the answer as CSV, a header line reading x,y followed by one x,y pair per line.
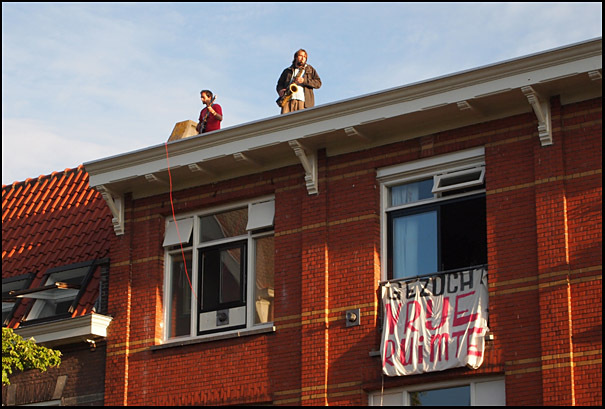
x,y
296,53
207,92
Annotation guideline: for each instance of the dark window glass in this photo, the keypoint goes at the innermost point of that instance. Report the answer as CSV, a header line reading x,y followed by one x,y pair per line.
x,y
459,396
437,237
222,276
222,225
180,297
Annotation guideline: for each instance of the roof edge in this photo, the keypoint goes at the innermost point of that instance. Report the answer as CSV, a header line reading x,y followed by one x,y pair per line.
x,y
298,124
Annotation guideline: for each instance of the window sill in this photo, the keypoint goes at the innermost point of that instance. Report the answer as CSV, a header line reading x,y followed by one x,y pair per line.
x,y
216,337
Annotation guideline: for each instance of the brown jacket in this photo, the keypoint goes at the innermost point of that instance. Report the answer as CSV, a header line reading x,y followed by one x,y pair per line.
x,y
310,80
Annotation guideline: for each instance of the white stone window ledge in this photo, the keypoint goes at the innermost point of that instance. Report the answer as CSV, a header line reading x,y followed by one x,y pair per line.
x,y
215,337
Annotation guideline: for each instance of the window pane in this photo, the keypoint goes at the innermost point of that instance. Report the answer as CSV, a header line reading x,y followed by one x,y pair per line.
x,y
221,277
7,301
230,275
72,276
210,280
263,290
219,226
415,245
463,234
50,308
179,322
411,192
459,396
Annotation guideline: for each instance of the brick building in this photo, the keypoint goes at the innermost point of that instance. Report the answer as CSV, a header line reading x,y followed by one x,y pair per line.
x,y
56,234
267,288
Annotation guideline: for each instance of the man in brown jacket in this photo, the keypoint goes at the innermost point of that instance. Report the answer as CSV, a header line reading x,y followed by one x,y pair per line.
x,y
304,77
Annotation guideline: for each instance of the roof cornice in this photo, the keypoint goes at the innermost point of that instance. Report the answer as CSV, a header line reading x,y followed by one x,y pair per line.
x,y
305,126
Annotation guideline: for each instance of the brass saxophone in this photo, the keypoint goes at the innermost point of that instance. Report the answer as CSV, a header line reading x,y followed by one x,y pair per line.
x,y
292,88
283,100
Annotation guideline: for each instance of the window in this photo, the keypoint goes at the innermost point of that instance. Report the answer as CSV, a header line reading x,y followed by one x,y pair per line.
x,y
223,272
9,302
60,292
434,215
488,392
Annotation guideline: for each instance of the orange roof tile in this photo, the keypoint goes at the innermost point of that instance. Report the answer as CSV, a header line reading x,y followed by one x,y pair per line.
x,y
53,221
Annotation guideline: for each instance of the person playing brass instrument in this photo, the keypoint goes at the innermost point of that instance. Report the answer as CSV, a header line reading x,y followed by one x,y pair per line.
x,y
296,83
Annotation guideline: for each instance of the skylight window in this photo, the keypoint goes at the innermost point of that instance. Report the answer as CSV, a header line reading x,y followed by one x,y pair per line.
x,y
60,292
9,302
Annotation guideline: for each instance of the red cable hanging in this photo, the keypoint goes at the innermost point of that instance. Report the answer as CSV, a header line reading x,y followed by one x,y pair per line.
x,y
176,224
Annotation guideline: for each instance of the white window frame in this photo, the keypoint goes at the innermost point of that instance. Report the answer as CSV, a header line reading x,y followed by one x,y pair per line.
x,y
266,206
476,387
176,236
433,167
478,170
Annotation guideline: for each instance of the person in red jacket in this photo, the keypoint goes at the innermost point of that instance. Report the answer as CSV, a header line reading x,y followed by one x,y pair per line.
x,y
211,116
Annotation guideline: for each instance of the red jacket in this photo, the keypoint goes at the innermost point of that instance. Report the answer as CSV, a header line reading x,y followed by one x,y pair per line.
x,y
212,124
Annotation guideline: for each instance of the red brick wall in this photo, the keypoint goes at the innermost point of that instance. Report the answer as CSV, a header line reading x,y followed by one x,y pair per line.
x,y
582,130
84,369
544,255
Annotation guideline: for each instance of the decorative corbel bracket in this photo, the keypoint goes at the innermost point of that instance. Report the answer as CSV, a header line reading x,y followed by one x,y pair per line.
x,y
309,162
152,178
356,133
243,158
541,107
116,206
466,106
195,167
595,75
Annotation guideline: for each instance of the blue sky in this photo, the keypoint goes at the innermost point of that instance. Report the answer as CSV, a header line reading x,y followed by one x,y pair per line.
x,y
84,81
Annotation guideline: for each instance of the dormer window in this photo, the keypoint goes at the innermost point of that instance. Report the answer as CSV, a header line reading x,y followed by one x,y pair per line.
x,y
61,289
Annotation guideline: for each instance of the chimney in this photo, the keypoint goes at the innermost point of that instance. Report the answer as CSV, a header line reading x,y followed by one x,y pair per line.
x,y
183,130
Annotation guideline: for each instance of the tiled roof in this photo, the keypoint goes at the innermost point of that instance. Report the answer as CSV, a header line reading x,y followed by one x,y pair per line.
x,y
53,221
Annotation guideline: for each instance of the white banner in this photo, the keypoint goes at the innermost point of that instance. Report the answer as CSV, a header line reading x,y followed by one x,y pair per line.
x,y
434,323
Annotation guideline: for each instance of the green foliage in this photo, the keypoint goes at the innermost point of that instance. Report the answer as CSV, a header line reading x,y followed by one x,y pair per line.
x,y
20,354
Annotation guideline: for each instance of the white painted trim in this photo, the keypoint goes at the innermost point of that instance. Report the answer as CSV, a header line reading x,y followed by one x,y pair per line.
x,y
115,202
440,178
179,232
261,215
68,330
188,340
388,173
541,107
308,159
